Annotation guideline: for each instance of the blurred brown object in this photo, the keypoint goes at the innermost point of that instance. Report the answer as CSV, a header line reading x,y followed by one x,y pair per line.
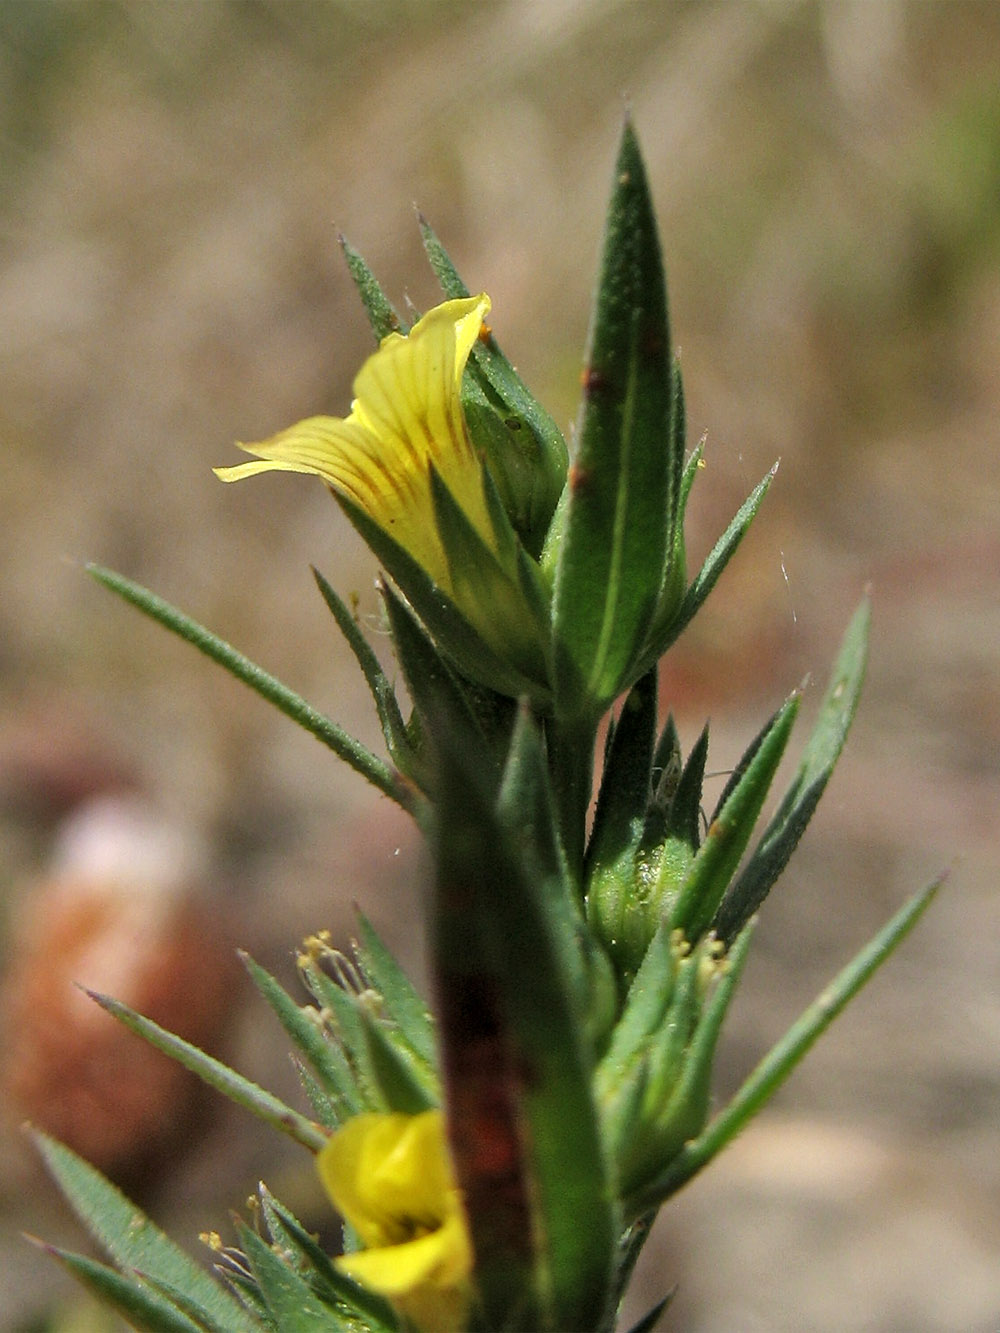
x,y
119,913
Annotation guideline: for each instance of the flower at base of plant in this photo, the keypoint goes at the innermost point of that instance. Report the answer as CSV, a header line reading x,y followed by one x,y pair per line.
x,y
390,1177
405,469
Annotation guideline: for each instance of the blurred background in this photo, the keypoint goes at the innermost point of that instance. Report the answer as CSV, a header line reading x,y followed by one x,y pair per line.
x,y
827,177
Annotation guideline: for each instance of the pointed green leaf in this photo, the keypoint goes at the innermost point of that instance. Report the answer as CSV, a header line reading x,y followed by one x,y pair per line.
x,y
384,696
662,635
361,759
129,1237
821,753
217,1075
517,1073
142,1308
615,541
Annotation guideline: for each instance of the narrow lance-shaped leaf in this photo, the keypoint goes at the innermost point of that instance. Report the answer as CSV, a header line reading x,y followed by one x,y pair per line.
x,y
142,1308
217,1075
822,751
384,696
614,544
662,634
376,770
129,1237
730,831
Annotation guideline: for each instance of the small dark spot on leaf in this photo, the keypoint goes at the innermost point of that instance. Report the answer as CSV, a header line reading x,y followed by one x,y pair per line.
x,y
594,381
579,479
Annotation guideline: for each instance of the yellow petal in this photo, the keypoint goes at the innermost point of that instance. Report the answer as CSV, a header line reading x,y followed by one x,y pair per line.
x,y
406,417
440,1259
389,1175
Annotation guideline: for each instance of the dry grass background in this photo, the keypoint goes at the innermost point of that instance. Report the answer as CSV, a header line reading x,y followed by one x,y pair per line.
x,y
827,177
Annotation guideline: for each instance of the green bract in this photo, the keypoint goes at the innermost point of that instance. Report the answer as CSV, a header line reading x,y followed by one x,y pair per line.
x,y
498,1164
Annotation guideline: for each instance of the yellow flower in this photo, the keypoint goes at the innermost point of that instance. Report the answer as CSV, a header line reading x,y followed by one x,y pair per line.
x,y
406,417
390,1177
405,425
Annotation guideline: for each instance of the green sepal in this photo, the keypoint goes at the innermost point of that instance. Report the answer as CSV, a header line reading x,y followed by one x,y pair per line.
x,y
332,1286
680,1079
140,1306
376,770
516,1072
291,1302
434,686
625,781
390,718
819,757
388,1074
729,832
616,894
304,1024
669,839
644,1012
668,766
217,1075
508,591
324,1107
779,1062
525,451
685,809
343,1025
130,1239
645,1120
382,315
403,1003
615,541
449,628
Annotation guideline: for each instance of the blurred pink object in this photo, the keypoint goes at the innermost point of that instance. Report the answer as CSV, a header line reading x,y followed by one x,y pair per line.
x,y
119,912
